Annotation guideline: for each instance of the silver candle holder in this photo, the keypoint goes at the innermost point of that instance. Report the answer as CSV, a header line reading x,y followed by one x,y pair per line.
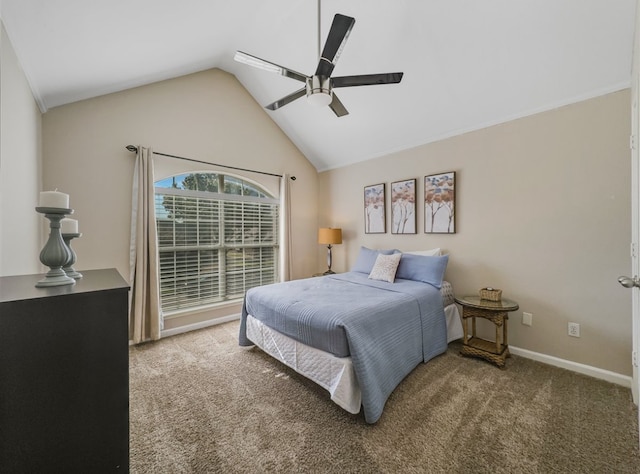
x,y
55,253
68,267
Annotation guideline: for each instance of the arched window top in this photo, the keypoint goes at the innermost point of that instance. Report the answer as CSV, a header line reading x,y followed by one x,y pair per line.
x,y
213,183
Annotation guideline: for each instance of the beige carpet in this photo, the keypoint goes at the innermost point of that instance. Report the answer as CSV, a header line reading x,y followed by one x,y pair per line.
x,y
200,403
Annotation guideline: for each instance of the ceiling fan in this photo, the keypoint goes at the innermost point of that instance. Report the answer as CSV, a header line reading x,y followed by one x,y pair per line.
x,y
319,87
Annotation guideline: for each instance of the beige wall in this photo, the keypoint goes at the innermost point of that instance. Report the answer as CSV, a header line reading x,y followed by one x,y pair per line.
x,y
543,212
207,116
21,227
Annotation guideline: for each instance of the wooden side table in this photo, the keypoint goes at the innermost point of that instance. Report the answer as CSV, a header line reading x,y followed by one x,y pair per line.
x,y
495,311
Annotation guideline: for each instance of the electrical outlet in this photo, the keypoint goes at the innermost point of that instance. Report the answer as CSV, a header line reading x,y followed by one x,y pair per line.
x,y
574,330
527,319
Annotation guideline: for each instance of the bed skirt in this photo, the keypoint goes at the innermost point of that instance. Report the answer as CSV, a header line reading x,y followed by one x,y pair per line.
x,y
334,374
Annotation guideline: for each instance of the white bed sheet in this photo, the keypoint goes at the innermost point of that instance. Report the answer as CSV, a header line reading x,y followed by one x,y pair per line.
x,y
332,373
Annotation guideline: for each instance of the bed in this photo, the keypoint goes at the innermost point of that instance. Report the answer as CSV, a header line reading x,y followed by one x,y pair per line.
x,y
355,334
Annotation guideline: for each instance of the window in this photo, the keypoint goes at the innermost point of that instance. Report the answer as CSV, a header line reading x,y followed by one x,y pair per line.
x,y
217,237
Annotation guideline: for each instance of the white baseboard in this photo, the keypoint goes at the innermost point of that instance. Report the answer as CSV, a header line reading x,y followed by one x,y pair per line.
x,y
201,325
602,374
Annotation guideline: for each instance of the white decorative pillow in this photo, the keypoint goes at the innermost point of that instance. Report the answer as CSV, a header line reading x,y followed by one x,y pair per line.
x,y
385,267
426,253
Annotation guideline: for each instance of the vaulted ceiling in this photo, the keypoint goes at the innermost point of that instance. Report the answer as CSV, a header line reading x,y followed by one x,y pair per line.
x,y
467,64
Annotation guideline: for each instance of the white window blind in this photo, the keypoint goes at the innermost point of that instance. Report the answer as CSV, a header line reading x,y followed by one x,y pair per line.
x,y
214,246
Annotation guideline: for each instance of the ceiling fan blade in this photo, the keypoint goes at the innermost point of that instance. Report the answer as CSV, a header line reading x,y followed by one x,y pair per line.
x,y
338,34
254,61
287,99
337,107
367,79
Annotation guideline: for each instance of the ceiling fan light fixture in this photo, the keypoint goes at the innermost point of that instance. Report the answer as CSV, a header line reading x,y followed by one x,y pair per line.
x,y
319,98
319,91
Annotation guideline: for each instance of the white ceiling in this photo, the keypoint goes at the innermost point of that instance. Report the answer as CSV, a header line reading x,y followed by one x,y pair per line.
x,y
467,63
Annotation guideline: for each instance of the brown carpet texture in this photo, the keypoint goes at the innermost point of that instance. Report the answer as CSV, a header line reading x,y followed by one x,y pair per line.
x,y
199,403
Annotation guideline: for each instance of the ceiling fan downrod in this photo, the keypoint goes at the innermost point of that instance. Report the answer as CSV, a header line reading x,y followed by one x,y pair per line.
x,y
319,39
318,88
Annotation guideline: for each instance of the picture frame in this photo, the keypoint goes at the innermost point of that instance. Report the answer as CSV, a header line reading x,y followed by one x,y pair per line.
x,y
440,203
403,207
375,216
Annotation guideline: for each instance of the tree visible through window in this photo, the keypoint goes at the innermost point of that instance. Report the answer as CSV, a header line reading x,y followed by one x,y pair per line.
x,y
217,237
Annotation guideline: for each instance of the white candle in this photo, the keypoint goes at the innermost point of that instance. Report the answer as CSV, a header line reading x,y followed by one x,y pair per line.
x,y
54,199
69,226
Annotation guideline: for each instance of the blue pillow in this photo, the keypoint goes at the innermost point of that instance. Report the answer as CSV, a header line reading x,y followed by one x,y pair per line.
x,y
367,259
422,268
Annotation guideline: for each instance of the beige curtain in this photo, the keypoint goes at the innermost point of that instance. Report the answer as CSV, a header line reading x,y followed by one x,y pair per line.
x,y
285,229
144,309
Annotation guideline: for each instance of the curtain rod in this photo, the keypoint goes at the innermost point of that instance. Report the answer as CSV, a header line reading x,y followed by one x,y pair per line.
x,y
134,149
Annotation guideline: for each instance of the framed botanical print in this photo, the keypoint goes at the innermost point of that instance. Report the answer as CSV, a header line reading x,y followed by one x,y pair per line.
x,y
375,217
403,207
440,203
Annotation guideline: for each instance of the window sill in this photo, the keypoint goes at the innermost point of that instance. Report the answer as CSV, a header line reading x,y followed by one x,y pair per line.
x,y
201,309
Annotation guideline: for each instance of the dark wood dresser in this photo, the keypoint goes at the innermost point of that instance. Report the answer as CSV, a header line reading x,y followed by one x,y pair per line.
x,y
64,375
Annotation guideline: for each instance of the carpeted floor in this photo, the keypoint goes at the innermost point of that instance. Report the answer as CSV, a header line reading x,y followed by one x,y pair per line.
x,y
202,404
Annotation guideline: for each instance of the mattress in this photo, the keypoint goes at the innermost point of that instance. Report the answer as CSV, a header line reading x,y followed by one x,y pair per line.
x,y
334,374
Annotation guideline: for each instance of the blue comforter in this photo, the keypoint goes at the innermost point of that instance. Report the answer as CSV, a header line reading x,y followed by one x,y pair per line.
x,y
386,328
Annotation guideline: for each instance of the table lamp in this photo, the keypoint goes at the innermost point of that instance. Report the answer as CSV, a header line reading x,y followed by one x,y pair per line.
x,y
329,237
